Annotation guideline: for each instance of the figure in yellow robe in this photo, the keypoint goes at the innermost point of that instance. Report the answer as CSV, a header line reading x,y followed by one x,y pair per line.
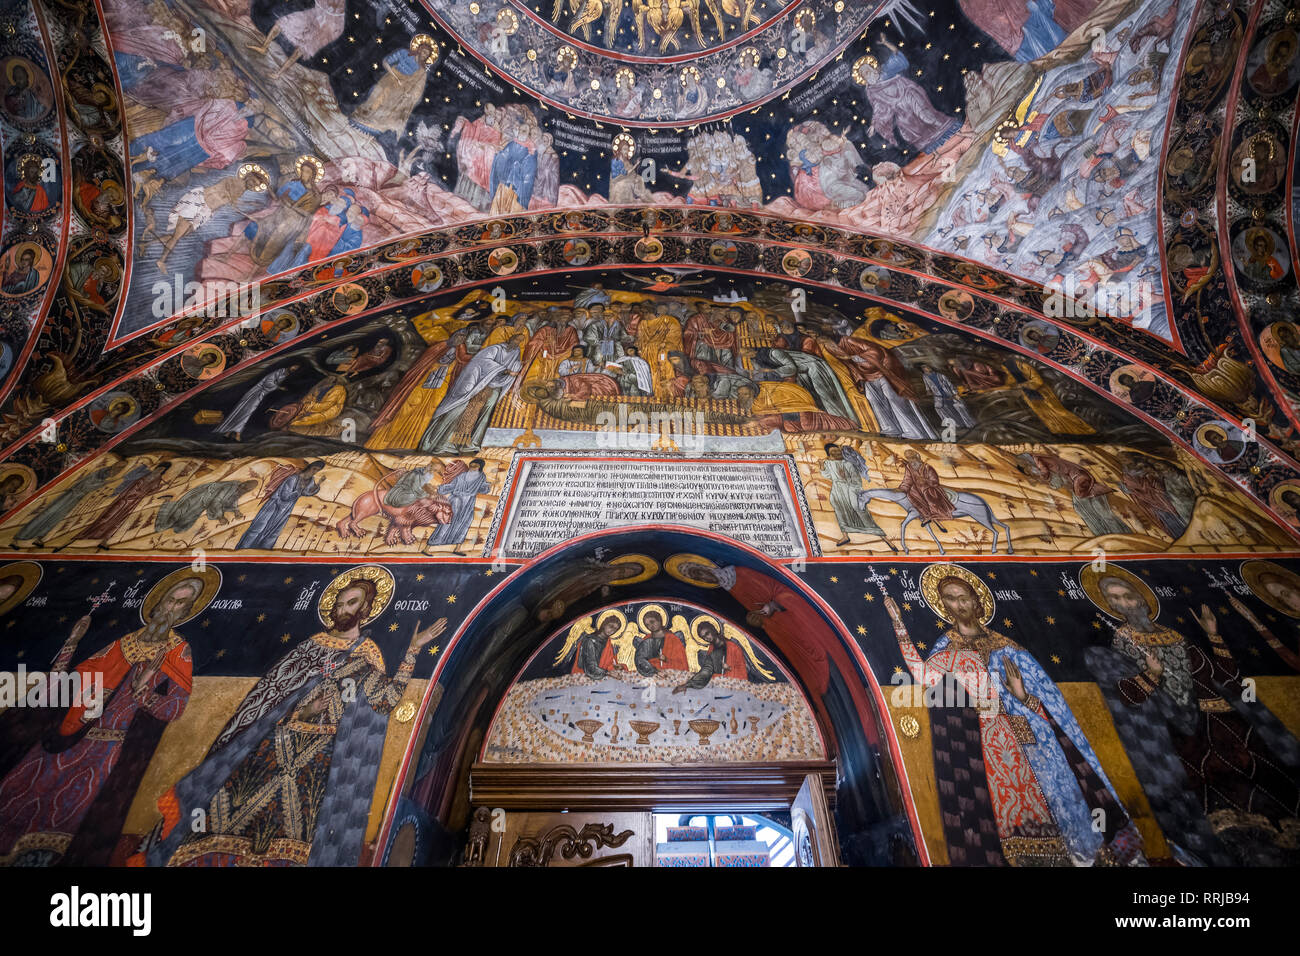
x,y
320,407
656,338
1042,401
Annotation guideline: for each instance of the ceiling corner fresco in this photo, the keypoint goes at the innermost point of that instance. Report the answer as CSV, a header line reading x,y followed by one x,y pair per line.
x,y
652,381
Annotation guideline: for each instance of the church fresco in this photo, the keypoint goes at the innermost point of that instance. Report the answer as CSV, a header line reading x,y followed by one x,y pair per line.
x,y
399,434
390,386
681,680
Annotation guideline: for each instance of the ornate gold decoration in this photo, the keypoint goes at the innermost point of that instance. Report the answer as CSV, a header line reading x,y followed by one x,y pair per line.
x,y
1253,573
1090,579
404,712
934,575
210,577
30,572
381,577
909,726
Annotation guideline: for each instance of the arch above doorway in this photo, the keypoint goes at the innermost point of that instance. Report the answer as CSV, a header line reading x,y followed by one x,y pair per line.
x,y
803,637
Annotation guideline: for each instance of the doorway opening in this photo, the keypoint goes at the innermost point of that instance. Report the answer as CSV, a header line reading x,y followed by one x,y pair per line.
x,y
723,840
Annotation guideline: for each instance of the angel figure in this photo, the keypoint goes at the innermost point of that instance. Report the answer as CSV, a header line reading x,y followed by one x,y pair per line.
x,y
594,657
714,650
669,279
661,644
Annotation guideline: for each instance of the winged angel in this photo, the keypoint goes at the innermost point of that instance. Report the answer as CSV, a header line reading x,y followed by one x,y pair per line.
x,y
609,642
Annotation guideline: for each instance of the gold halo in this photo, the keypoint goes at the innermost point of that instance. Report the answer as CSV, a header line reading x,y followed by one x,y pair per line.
x,y
649,568
509,21
247,168
603,616
1090,579
934,575
211,578
28,476
749,53
312,161
674,567
566,53
692,71
621,139
1251,573
30,572
640,616
695,626
807,13
1205,430
382,579
423,39
868,61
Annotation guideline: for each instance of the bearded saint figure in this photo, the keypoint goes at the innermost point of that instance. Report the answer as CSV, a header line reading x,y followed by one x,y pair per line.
x,y
280,786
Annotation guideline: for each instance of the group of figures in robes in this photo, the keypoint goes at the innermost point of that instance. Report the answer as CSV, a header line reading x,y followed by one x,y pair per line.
x,y
1218,769
789,376
618,647
289,780
506,162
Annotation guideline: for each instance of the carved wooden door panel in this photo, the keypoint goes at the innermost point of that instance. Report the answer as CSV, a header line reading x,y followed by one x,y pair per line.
x,y
572,839
812,826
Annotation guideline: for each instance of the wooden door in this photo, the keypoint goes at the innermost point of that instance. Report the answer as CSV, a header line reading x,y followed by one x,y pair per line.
x,y
812,826
527,838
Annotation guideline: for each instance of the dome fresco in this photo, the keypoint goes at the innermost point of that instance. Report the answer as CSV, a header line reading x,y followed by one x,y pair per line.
x,y
603,385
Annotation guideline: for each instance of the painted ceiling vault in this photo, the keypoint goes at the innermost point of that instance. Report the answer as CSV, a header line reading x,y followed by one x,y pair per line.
x,y
450,284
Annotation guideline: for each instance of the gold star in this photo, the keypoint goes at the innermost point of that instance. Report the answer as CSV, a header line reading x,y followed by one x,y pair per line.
x,y
392,627
1061,591
1255,651
1006,622
868,597
433,651
487,573
284,638
1097,625
1051,620
451,599
893,570
834,579
63,618
897,669
1033,572
922,645
940,623
261,618
419,577
221,653
861,630
992,576
1056,659
288,580
205,623
243,577
907,606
